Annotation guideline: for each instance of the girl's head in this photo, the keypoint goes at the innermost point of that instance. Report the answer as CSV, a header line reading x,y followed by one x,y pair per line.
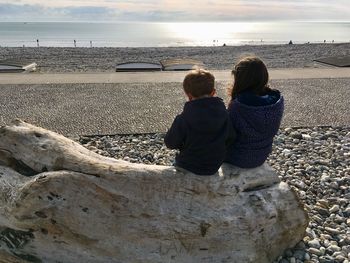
x,y
250,74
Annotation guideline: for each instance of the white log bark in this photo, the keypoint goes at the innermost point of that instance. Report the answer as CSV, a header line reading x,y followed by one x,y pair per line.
x,y
78,206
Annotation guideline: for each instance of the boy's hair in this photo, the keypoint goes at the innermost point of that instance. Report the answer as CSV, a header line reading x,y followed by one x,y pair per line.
x,y
250,74
199,82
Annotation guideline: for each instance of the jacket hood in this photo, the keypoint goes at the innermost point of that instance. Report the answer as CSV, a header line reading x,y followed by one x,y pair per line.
x,y
259,119
205,115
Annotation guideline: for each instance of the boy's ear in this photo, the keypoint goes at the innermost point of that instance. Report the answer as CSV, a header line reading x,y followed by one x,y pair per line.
x,y
189,95
213,92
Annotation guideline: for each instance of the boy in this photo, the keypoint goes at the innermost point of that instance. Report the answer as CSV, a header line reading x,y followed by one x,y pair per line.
x,y
203,130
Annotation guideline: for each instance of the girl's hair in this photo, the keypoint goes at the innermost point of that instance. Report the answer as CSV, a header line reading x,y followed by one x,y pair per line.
x,y
250,74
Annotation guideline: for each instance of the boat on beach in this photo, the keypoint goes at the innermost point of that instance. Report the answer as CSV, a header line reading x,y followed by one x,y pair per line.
x,y
138,66
15,66
175,64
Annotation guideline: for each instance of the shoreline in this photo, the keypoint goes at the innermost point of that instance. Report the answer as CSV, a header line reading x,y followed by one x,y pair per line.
x,y
104,59
252,43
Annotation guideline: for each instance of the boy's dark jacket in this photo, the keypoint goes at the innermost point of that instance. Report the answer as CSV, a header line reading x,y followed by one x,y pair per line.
x,y
202,133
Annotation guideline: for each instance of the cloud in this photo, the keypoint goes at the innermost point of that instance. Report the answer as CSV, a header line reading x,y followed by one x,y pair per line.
x,y
173,10
10,9
11,12
88,12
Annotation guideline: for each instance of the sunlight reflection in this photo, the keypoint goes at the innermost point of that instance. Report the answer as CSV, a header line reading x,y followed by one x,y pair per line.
x,y
197,32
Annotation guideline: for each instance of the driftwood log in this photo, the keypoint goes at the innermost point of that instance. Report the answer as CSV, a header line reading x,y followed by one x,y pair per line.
x,y
60,202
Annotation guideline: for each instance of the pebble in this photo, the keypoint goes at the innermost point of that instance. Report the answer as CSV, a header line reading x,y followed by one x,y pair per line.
x,y
307,256
334,248
322,202
314,161
322,211
296,135
286,152
332,230
339,258
326,259
346,249
299,254
306,136
347,211
315,251
334,208
314,243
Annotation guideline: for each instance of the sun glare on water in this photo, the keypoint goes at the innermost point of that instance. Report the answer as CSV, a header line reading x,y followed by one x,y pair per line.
x,y
206,32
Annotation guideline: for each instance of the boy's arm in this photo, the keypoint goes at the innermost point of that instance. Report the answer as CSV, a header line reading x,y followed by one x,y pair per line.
x,y
175,137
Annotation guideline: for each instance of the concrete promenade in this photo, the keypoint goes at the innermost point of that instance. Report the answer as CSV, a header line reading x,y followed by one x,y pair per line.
x,y
160,77
111,103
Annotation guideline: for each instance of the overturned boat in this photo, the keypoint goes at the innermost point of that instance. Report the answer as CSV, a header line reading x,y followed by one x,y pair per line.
x,y
176,64
138,66
13,66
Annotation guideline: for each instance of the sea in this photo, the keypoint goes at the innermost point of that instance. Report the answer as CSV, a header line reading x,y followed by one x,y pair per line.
x,y
147,34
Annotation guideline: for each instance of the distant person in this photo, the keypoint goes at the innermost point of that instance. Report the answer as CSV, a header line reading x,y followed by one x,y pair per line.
x,y
203,131
37,42
75,43
255,111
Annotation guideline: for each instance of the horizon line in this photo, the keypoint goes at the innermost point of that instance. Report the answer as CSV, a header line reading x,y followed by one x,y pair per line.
x,y
209,21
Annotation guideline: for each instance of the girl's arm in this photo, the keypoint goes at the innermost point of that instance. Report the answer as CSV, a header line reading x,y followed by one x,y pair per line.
x,y
231,134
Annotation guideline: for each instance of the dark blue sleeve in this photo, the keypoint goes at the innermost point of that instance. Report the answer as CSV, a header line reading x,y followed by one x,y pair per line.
x,y
175,137
231,134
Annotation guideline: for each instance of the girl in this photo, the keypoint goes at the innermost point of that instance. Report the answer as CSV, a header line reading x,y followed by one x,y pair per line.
x,y
256,113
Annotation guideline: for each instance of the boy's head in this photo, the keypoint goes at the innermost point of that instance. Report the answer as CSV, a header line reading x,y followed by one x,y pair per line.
x,y
199,83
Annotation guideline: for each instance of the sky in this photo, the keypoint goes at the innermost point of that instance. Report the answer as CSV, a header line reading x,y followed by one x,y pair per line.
x,y
174,10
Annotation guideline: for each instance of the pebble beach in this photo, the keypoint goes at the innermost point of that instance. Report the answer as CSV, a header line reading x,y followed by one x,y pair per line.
x,y
104,59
